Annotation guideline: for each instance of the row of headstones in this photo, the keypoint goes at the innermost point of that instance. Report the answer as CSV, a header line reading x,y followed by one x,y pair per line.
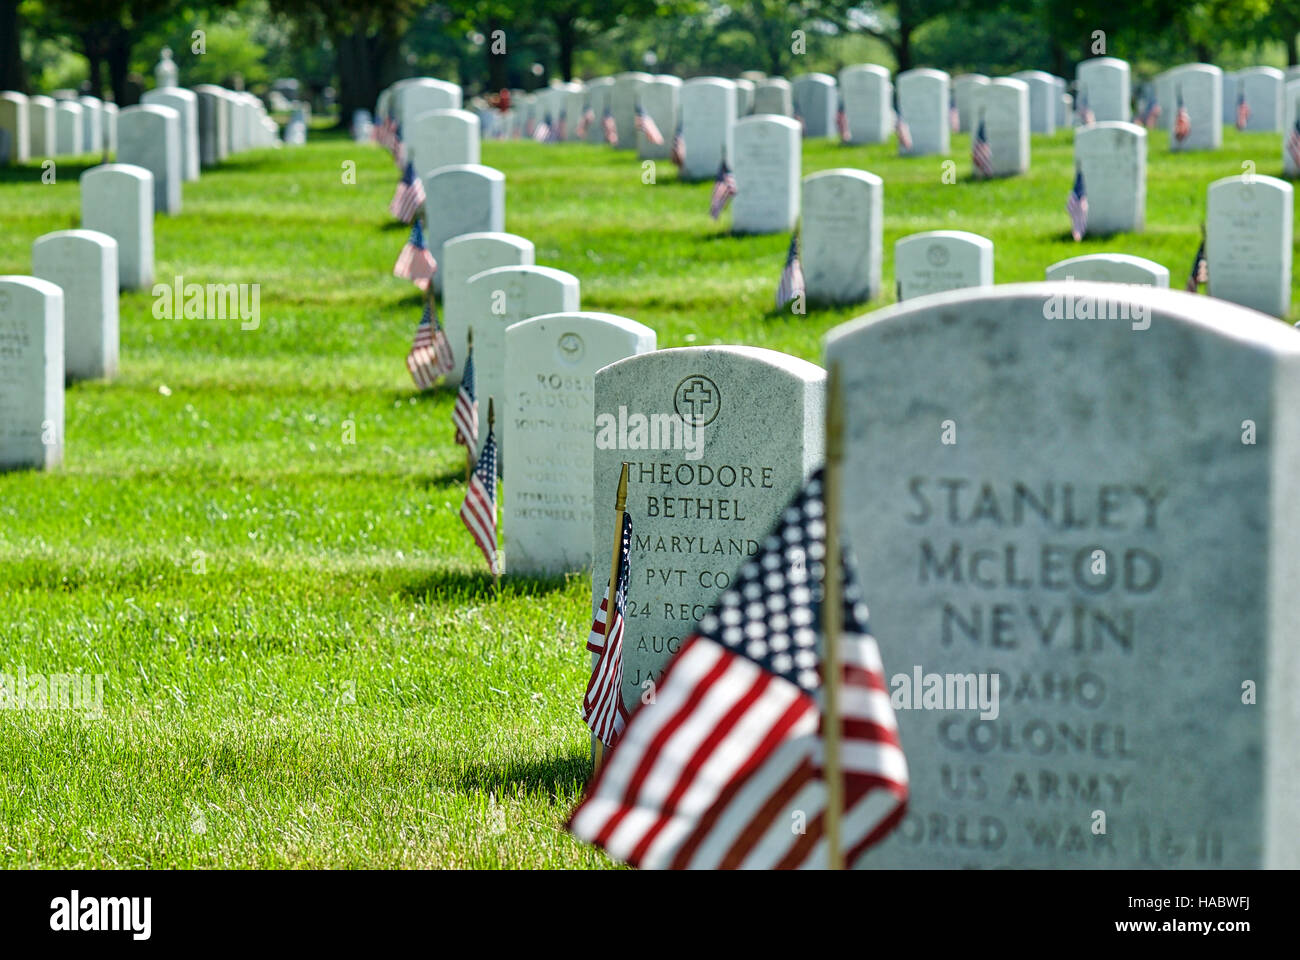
x,y
63,125
62,323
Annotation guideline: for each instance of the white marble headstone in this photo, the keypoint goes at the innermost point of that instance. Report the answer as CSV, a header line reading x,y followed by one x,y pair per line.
x,y
699,511
708,114
442,138
68,128
868,97
31,373
1110,268
941,260
551,364
1106,80
767,169
965,90
1262,87
117,200
773,95
923,101
15,129
1043,96
661,100
465,198
84,264
623,98
842,236
1113,158
186,104
497,298
1004,106
149,136
464,257
1095,520
1201,87
41,126
815,101
1249,230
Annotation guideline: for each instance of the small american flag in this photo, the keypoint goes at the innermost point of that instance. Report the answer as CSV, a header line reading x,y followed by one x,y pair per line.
x,y
710,774
842,122
1152,116
430,355
585,121
409,196
398,148
903,131
1182,120
1084,114
791,285
1243,111
954,118
1200,272
678,150
464,415
649,129
724,188
415,263
981,154
542,132
561,129
1293,144
1077,207
602,704
479,511
611,128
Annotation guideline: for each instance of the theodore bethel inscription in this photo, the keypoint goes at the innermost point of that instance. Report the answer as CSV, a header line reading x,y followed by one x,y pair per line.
x,y
719,439
1109,545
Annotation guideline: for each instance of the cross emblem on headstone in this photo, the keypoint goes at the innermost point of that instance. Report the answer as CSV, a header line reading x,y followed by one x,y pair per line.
x,y
697,396
697,400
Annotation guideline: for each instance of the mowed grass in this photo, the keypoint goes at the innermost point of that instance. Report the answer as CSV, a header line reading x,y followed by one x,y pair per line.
x,y
304,663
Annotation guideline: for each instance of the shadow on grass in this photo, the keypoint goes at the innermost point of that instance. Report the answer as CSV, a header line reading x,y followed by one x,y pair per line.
x,y
31,172
560,775
478,586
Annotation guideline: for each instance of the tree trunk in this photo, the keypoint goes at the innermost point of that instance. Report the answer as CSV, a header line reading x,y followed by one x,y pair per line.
x,y
11,58
566,35
903,49
92,47
496,62
117,54
361,70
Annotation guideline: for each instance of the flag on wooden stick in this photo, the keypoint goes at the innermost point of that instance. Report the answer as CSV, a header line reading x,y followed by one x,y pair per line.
x,y
981,154
1243,111
1077,206
409,196
610,128
415,263
791,284
479,511
602,704
710,773
649,129
430,356
724,188
1182,120
464,415
1200,272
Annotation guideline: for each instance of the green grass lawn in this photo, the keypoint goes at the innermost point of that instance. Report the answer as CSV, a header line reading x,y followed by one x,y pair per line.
x,y
304,664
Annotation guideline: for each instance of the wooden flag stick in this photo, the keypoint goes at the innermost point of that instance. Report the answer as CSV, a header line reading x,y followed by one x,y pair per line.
x,y
833,622
496,567
469,451
620,506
